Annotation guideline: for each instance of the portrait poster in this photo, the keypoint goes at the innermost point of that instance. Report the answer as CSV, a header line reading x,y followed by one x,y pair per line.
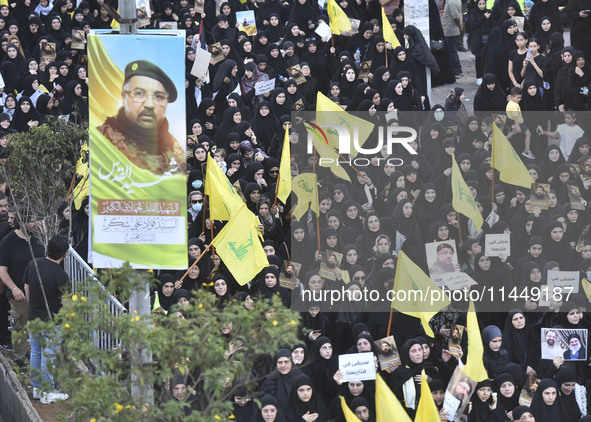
x,y
454,344
365,69
216,53
137,180
442,258
528,391
295,73
48,53
330,262
78,39
576,200
568,343
199,6
388,355
539,195
289,276
457,395
246,22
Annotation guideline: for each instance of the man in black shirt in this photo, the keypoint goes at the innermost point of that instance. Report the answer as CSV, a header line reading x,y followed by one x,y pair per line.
x,y
55,283
14,257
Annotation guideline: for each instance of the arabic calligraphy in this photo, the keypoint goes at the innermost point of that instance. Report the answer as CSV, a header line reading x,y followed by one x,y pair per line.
x,y
123,173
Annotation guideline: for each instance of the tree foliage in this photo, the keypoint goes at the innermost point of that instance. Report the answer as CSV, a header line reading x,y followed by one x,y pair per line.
x,y
40,170
186,341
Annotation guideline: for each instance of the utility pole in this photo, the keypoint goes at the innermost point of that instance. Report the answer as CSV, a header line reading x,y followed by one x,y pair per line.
x,y
139,302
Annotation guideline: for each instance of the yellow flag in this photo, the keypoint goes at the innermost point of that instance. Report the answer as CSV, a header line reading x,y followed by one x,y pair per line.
x,y
415,293
284,178
389,35
462,199
81,190
474,367
328,112
306,189
349,415
239,247
388,408
339,21
586,287
223,199
426,411
507,162
329,157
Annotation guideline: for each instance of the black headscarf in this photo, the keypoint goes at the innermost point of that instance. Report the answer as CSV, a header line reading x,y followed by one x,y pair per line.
x,y
540,410
295,408
487,100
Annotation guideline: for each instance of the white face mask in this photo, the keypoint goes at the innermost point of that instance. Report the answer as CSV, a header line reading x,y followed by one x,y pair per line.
x,y
588,275
197,207
438,115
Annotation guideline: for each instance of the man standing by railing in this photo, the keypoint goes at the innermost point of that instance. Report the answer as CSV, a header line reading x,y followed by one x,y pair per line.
x,y
15,255
55,283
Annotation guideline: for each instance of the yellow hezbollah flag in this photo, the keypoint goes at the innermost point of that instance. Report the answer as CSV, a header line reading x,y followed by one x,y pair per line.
x,y
326,152
412,281
389,35
239,247
507,162
284,179
81,190
388,407
223,199
426,411
328,112
339,21
349,415
474,367
462,199
305,187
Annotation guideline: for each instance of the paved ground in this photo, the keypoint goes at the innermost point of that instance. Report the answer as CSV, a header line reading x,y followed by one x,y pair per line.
x,y
468,81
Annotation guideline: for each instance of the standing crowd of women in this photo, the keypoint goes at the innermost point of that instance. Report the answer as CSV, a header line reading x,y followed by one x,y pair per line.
x,y
385,207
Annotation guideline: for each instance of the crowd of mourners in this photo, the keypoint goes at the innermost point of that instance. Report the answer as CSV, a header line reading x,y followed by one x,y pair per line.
x,y
523,68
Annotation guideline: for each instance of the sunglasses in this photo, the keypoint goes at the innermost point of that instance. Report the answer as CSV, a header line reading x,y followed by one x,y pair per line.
x,y
359,278
196,201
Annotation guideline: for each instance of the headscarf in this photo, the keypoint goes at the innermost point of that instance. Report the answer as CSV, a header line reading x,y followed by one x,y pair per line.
x,y
540,410
295,408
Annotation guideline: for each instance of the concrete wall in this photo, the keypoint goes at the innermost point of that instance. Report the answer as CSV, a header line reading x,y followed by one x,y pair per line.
x,y
14,401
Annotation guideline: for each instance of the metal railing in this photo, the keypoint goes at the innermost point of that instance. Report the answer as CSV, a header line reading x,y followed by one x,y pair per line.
x,y
81,275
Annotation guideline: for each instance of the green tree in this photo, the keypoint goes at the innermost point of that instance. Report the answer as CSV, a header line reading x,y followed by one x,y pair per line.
x,y
40,171
214,347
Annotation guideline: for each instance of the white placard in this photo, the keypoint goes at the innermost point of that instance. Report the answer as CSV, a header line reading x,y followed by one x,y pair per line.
x,y
497,244
201,63
324,31
357,367
458,280
264,86
562,279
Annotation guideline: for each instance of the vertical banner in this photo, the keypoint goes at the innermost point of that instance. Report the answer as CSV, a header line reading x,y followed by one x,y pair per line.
x,y
137,150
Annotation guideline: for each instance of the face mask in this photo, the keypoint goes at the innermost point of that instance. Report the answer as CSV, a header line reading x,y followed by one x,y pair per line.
x,y
438,115
197,184
197,207
588,275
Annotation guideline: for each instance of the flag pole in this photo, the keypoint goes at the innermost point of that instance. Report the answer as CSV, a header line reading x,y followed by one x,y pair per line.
x,y
459,228
203,218
211,231
317,216
195,263
390,322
